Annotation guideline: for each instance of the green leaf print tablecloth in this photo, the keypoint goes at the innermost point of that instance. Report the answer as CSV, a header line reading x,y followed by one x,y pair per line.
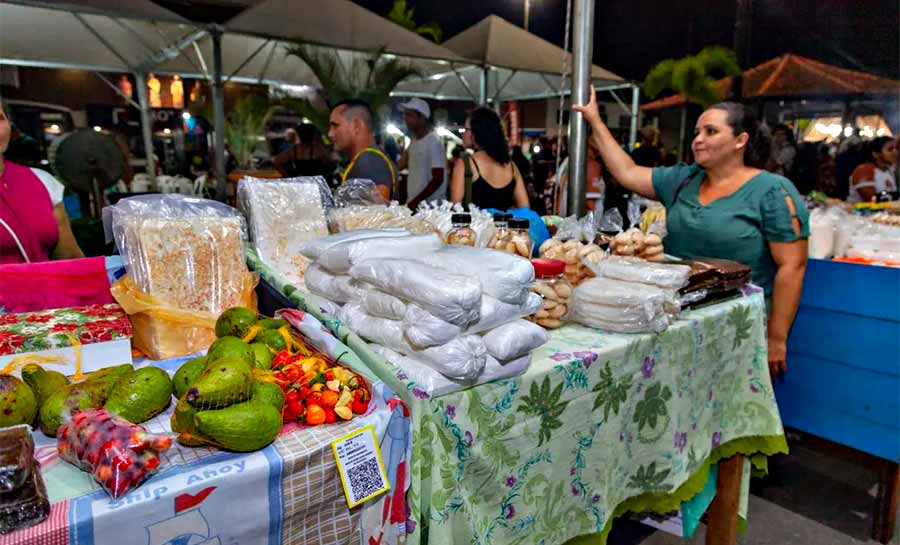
x,y
600,424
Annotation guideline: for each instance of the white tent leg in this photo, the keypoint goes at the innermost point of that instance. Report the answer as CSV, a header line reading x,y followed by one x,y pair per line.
x,y
140,81
219,116
483,86
635,109
582,53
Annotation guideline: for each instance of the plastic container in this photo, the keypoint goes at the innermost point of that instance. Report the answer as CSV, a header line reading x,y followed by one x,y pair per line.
x,y
461,232
551,284
521,242
502,234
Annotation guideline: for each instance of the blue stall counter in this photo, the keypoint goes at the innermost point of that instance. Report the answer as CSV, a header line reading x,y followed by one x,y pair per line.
x,y
843,379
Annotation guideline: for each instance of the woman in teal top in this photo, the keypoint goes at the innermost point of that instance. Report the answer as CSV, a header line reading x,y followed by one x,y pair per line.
x,y
726,206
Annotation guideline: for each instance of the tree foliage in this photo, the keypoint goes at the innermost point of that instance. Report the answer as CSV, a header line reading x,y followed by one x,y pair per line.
x,y
695,76
405,17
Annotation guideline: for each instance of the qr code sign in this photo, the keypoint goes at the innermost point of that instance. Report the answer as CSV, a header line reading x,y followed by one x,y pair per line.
x,y
365,479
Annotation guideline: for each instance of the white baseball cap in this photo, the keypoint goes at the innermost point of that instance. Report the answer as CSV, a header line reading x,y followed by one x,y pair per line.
x,y
417,105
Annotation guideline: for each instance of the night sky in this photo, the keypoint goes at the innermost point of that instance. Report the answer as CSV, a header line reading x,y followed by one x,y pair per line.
x,y
632,35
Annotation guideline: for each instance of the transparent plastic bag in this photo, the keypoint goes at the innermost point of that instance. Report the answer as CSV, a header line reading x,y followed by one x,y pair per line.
x,y
313,249
162,330
611,222
583,316
181,250
629,269
376,216
440,217
504,276
340,258
383,305
608,291
358,191
653,220
463,358
436,384
634,213
283,214
338,288
514,340
118,454
455,298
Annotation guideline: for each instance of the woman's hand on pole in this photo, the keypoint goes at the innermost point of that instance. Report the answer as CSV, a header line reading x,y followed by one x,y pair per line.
x,y
590,111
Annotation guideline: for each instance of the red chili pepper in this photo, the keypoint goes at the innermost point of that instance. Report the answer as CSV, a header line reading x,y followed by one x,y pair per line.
x,y
295,407
304,392
329,376
330,417
292,395
292,372
280,376
359,407
282,358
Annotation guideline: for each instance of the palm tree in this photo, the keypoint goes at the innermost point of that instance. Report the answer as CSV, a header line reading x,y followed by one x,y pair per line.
x,y
370,77
246,122
404,17
694,78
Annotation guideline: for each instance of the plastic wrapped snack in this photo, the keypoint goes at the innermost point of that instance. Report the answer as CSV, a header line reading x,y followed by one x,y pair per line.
x,y
514,340
440,217
454,298
657,325
463,358
611,292
638,270
120,455
341,257
383,305
185,251
376,216
436,384
26,506
16,457
360,192
504,276
575,254
336,288
314,249
423,329
282,215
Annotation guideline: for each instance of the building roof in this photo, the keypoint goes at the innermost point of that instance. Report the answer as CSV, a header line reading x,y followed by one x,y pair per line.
x,y
790,76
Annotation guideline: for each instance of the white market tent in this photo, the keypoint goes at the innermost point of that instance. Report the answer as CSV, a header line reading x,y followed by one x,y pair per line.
x,y
512,64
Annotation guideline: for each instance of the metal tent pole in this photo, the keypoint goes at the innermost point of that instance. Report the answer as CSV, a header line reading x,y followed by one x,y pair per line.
x,y
483,86
140,81
635,110
219,115
582,53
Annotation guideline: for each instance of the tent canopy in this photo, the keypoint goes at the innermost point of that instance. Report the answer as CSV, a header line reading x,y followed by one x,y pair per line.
x,y
130,9
793,76
519,65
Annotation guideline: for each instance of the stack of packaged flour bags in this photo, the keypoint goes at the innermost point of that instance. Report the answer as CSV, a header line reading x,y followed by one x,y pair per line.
x,y
449,316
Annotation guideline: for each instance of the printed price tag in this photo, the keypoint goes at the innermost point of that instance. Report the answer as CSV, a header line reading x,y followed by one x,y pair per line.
x,y
360,466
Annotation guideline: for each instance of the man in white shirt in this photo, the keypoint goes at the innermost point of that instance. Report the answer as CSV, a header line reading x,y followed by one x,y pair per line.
x,y
425,158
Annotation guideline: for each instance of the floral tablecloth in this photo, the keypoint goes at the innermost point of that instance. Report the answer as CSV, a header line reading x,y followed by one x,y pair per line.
x,y
599,425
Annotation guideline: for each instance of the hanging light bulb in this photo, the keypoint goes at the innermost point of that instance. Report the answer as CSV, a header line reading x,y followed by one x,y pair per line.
x,y
176,89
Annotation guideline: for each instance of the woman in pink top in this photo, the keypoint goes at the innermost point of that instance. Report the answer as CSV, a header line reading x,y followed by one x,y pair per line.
x,y
33,222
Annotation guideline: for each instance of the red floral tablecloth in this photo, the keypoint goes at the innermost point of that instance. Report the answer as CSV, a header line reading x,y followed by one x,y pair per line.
x,y
49,329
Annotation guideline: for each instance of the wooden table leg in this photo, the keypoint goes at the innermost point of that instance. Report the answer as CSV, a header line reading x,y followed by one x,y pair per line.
x,y
723,512
886,503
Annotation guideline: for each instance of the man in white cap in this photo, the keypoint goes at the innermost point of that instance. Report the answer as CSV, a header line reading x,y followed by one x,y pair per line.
x,y
425,158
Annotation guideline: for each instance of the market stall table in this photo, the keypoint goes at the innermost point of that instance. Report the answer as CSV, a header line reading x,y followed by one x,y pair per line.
x,y
287,493
600,424
844,369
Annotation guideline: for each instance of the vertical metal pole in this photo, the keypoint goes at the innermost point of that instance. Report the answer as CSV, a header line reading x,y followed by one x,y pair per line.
x,y
743,22
140,81
582,53
219,116
527,12
682,127
635,110
483,86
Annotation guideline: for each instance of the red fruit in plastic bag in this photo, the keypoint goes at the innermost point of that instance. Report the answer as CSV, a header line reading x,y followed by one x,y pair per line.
x,y
119,454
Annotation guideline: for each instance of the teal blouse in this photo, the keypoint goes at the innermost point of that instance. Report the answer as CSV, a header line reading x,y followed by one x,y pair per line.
x,y
738,227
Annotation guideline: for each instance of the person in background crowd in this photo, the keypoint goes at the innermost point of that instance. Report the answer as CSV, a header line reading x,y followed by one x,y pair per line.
x,y
497,182
648,153
725,206
425,158
826,175
670,159
308,157
595,184
524,165
784,150
22,148
290,140
352,131
34,225
543,165
876,174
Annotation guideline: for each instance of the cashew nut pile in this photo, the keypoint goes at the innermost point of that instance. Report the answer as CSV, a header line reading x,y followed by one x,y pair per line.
x,y
635,243
508,240
574,253
556,302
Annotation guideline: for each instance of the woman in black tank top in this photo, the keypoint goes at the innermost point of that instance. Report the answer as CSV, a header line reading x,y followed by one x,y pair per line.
x,y
490,162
